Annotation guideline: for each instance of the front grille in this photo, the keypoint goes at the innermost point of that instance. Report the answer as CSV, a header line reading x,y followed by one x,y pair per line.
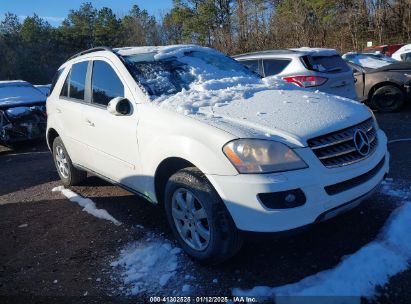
x,y
356,181
338,149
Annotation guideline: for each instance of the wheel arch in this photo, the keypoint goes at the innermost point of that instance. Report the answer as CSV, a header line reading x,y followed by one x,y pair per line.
x,y
383,84
51,136
164,171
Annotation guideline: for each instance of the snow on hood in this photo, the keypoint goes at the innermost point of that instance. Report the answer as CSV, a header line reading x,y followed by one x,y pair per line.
x,y
291,116
405,49
368,60
15,93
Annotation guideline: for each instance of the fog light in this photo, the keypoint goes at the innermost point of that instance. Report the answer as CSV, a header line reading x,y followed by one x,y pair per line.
x,y
283,200
290,198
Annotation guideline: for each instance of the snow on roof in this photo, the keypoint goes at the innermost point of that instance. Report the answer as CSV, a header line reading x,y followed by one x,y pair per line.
x,y
176,50
316,51
292,51
405,49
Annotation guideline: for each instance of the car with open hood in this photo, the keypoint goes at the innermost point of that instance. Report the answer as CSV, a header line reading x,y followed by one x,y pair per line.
x,y
223,150
381,82
22,112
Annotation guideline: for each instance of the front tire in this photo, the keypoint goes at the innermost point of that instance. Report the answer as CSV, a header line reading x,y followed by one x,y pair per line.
x,y
199,219
69,175
388,98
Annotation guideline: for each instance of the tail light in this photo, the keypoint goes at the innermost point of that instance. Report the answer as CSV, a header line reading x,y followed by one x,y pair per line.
x,y
306,81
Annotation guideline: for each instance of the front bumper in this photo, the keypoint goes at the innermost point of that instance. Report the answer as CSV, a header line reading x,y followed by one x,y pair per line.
x,y
18,124
239,192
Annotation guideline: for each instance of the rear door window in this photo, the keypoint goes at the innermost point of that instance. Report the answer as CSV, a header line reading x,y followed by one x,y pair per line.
x,y
74,86
327,64
105,83
253,65
274,66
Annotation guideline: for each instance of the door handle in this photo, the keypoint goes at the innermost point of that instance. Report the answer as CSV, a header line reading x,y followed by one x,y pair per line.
x,y
90,123
58,110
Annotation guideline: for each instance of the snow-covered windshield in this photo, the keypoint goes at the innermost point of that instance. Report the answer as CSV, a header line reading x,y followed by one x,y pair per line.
x,y
166,75
371,61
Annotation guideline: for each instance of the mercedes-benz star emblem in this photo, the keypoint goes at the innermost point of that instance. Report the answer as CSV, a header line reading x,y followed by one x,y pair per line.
x,y
361,142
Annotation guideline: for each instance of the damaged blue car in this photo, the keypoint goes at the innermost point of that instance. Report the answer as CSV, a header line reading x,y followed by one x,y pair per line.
x,y
22,112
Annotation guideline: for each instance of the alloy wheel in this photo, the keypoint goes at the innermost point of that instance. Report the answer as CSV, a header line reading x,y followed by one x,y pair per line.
x,y
190,219
61,161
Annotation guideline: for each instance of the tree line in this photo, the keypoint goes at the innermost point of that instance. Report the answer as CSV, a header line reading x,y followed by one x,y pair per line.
x,y
32,49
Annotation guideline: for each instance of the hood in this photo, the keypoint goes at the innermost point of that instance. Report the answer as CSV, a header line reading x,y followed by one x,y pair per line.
x,y
400,66
20,95
288,116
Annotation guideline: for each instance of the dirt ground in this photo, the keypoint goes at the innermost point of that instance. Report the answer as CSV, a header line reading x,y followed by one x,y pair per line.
x,y
53,252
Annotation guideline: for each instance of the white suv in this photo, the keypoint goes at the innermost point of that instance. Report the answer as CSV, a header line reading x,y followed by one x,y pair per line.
x,y
315,68
191,129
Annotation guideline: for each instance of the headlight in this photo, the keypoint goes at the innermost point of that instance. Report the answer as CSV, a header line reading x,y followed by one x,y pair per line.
x,y
262,156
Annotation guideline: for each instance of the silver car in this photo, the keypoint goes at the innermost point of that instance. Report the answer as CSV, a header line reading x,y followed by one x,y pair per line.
x,y
320,69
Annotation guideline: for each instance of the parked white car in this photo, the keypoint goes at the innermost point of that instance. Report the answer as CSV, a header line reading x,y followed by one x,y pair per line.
x,y
403,54
316,68
222,149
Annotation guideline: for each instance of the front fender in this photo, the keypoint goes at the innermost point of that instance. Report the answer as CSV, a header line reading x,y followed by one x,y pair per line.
x,y
164,134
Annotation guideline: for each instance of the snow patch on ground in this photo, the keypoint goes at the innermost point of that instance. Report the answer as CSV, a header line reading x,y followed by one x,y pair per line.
x,y
360,273
147,265
88,205
388,188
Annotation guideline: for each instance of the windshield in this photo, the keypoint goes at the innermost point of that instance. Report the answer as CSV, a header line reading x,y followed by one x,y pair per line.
x,y
371,61
161,76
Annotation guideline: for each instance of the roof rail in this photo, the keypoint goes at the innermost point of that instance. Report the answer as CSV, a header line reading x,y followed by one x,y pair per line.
x,y
95,49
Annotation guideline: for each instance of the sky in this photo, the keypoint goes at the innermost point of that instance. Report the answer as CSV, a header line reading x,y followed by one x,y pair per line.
x,y
54,11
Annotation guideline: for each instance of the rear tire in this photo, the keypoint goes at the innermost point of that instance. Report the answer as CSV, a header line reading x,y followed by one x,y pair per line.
x,y
204,227
389,98
69,175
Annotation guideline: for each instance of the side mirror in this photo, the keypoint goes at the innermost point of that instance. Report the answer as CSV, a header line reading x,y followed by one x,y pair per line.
x,y
119,106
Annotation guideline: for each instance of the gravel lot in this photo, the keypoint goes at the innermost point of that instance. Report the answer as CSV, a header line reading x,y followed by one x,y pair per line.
x,y
54,252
